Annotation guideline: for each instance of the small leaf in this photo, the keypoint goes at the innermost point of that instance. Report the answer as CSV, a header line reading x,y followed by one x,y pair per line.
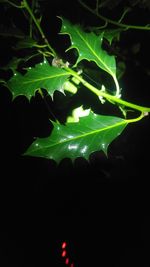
x,y
113,34
27,42
13,64
89,47
41,76
90,134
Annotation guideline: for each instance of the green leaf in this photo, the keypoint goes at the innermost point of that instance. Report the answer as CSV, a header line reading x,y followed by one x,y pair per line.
x,y
113,34
78,139
13,64
89,47
27,42
41,76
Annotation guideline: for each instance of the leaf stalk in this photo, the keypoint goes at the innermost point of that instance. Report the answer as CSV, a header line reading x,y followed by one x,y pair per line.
x,y
109,97
110,21
52,51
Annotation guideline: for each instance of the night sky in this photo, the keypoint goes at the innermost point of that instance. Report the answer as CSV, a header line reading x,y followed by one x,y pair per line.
x,y
101,207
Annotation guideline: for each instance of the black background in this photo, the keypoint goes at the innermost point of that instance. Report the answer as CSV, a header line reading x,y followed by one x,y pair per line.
x,y
100,207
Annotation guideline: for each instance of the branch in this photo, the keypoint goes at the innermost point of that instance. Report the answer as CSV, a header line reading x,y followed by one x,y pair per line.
x,y
122,25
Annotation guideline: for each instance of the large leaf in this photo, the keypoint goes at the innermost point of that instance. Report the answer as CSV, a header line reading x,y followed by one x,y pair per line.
x,y
41,76
79,139
89,47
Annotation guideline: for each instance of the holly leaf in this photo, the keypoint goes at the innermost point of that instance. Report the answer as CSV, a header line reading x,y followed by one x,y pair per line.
x,y
89,47
78,139
41,76
13,64
26,42
113,34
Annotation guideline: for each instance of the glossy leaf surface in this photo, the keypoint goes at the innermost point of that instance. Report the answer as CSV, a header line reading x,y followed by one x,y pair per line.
x,y
89,47
79,139
41,76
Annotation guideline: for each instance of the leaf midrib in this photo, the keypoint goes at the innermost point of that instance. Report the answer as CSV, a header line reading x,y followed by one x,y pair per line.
x,y
45,78
82,136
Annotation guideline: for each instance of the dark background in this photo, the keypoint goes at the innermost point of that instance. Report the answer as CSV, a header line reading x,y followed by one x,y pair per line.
x,y
100,207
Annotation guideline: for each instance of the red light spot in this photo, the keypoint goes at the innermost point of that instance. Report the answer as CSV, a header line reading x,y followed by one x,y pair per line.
x,y
67,261
64,244
72,265
63,254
